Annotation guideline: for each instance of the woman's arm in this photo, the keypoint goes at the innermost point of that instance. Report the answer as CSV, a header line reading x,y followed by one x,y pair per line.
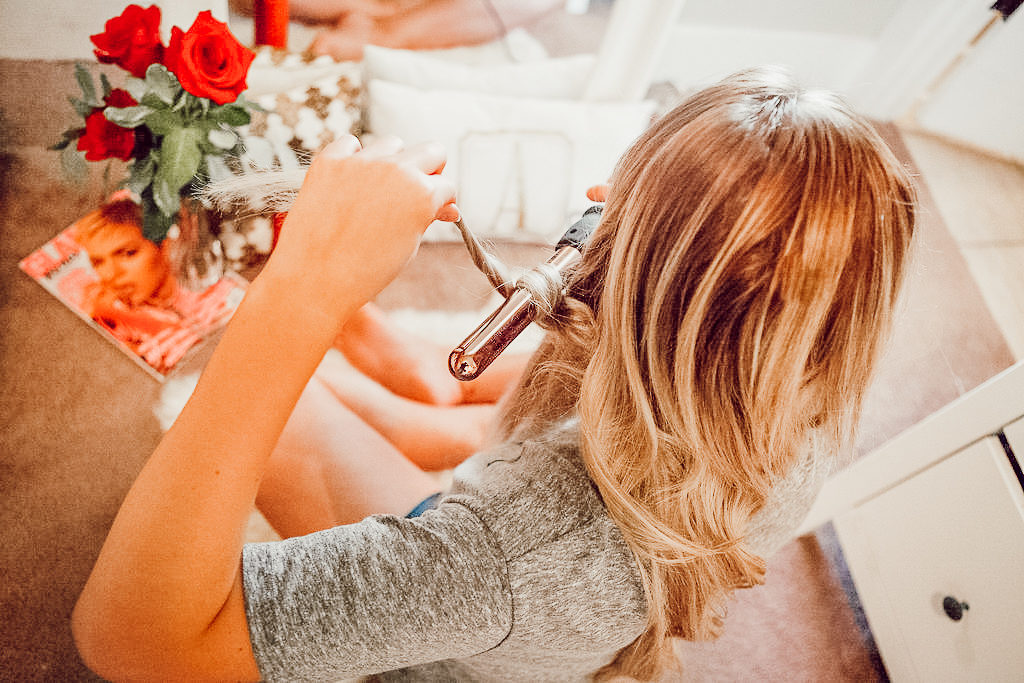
x,y
164,599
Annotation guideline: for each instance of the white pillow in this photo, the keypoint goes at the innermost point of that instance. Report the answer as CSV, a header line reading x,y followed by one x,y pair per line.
x,y
564,77
521,165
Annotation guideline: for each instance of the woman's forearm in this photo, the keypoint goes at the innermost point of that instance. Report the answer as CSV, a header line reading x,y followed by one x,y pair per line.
x,y
171,559
164,599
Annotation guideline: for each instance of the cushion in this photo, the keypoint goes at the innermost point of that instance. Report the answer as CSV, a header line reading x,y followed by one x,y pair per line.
x,y
521,164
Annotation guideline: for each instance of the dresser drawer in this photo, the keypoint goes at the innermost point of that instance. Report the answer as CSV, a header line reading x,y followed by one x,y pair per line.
x,y
938,562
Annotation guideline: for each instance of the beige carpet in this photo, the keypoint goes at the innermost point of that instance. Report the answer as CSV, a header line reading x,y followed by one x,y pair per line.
x,y
77,421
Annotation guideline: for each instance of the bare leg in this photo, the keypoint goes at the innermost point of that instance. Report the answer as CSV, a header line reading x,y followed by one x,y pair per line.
x,y
433,437
431,25
497,380
416,368
330,468
406,364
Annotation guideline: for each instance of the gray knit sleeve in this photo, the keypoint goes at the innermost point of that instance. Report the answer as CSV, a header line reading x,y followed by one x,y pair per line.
x,y
384,593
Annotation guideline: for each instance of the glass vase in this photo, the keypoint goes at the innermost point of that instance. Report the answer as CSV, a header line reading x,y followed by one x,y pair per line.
x,y
193,247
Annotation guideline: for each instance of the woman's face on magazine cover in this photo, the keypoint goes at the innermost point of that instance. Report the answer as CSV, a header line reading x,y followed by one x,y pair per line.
x,y
129,266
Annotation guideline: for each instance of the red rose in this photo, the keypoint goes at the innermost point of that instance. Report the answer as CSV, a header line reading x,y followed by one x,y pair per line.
x,y
208,60
132,40
104,139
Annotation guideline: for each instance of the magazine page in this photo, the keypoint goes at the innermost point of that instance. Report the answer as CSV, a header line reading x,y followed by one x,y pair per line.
x,y
122,285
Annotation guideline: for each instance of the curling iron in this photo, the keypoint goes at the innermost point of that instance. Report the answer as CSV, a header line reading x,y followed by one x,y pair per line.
x,y
486,342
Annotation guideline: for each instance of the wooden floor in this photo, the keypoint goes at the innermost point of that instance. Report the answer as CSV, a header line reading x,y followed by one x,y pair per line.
x,y
981,199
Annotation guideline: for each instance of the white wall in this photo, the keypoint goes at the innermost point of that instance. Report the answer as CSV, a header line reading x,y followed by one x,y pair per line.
x,y
886,56
863,18
982,101
60,29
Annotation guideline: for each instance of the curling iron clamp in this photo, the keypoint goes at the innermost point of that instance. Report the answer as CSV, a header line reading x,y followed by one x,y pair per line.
x,y
486,342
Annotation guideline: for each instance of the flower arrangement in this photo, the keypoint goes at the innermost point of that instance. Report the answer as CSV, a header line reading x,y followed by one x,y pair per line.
x,y
175,118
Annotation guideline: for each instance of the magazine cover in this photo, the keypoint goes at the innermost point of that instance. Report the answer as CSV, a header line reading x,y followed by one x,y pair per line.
x,y
121,284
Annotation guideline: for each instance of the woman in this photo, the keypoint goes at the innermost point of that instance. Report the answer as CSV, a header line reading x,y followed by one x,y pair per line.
x,y
709,359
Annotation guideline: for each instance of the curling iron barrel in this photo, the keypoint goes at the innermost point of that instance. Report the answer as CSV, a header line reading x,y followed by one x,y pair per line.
x,y
486,342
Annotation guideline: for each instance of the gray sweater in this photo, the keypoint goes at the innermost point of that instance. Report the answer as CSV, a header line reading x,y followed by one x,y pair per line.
x,y
519,574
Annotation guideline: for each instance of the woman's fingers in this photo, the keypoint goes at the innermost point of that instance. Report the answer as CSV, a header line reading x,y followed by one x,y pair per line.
x,y
429,157
382,146
343,147
597,193
448,213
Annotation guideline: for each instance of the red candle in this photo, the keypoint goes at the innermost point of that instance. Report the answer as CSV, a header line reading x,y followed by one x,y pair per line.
x,y
278,222
270,22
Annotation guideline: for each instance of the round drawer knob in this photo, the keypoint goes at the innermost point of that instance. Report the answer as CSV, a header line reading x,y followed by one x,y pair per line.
x,y
953,608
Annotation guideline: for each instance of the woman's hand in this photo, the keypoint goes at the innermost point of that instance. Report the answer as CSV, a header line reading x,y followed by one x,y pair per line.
x,y
358,220
597,193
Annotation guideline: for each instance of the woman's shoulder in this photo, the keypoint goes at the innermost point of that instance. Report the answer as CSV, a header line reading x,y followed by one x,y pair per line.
x,y
532,491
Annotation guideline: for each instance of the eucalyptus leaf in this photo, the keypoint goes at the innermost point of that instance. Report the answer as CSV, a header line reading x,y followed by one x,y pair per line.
x,y
232,115
247,104
73,164
88,87
68,136
162,83
155,223
128,117
181,102
222,139
163,121
152,100
179,160
136,87
141,175
83,109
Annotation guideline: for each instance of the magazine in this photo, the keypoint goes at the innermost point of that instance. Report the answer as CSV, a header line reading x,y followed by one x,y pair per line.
x,y
124,289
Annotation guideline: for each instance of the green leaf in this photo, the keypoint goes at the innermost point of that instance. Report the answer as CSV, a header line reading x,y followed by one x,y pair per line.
x,y
73,164
136,87
105,82
153,101
231,114
163,121
182,101
140,174
155,223
67,137
127,117
83,109
88,88
179,160
162,83
247,104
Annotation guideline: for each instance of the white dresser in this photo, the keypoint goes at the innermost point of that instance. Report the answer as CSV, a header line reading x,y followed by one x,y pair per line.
x,y
932,528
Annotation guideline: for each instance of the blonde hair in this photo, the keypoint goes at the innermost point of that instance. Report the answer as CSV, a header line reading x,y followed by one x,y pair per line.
x,y
733,298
